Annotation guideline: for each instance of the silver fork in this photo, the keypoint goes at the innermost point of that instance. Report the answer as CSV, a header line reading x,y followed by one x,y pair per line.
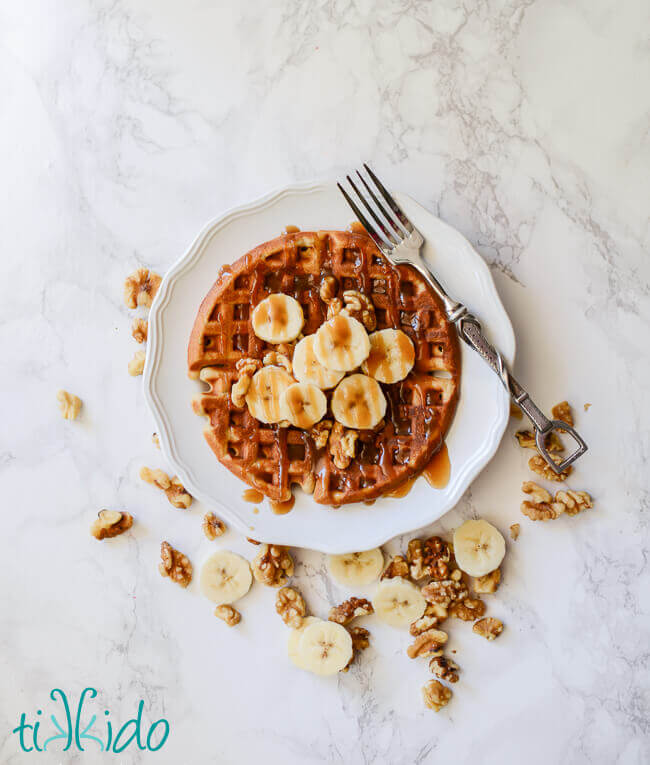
x,y
399,240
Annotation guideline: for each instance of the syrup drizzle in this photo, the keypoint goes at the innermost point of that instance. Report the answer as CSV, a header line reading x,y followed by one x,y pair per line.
x,y
438,470
282,508
253,496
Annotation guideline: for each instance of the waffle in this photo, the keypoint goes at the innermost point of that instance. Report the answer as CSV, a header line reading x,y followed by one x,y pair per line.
x,y
420,408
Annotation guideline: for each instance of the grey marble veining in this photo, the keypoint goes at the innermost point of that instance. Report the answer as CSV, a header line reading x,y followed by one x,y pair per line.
x,y
125,126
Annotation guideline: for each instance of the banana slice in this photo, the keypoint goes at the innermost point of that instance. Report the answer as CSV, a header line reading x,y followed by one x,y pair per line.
x,y
278,319
392,356
225,577
265,391
341,343
293,644
307,368
358,402
356,569
303,405
479,547
398,602
325,648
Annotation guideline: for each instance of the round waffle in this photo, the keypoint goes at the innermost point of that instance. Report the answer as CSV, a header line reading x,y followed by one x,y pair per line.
x,y
420,408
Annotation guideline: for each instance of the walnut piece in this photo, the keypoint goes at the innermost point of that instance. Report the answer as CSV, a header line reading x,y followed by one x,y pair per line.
x,y
273,565
172,487
562,411
212,526
486,585
444,668
539,465
350,609
542,507
360,641
320,433
290,604
140,288
427,643
488,627
468,609
424,624
398,566
136,365
156,477
228,614
328,288
140,330
175,565
514,531
445,592
342,445
526,440
428,558
69,404
360,307
436,695
110,523
334,307
435,609
246,368
574,502
273,358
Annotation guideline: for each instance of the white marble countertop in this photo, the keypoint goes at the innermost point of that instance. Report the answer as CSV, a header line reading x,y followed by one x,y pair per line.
x,y
125,126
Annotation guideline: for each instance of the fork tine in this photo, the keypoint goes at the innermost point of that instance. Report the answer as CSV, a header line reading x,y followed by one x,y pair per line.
x,y
391,202
382,227
371,231
394,225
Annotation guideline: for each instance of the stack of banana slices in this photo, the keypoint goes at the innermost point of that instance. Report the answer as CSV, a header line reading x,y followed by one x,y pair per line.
x,y
320,363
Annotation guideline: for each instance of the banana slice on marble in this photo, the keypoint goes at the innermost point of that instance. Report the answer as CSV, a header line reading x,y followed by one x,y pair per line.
x,y
356,569
307,368
479,547
341,343
303,404
265,391
225,577
391,357
293,644
358,402
325,648
398,602
278,319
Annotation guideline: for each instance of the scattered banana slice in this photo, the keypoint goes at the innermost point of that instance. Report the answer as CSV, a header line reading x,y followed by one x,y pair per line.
x,y
398,602
341,343
307,368
225,577
278,319
266,388
358,402
392,356
303,404
293,644
479,547
356,569
325,648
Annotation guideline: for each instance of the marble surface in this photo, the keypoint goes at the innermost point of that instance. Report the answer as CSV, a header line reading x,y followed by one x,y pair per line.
x,y
125,126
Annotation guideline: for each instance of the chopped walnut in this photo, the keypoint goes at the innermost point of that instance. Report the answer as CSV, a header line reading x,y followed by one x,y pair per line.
x,y
320,433
514,531
350,609
562,411
360,307
175,565
427,643
526,440
273,565
445,592
69,404
334,307
542,507
273,358
424,624
468,609
157,477
586,407
177,494
539,465
246,368
444,668
155,440
574,502
398,566
228,614
328,288
435,609
140,330
136,365
488,627
486,585
342,445
515,411
110,523
415,558
140,288
360,641
212,526
290,604
428,558
436,695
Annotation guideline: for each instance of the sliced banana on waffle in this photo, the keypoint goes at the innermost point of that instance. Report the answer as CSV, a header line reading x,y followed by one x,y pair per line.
x,y
293,644
356,569
398,602
303,404
225,577
278,319
391,357
358,402
307,368
325,648
479,547
341,343
265,391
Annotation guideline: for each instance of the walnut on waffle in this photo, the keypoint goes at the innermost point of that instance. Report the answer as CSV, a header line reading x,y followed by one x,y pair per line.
x,y
274,457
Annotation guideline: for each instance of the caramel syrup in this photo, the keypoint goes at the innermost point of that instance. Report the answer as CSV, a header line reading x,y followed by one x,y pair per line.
x,y
403,489
282,508
438,470
252,495
291,229
356,227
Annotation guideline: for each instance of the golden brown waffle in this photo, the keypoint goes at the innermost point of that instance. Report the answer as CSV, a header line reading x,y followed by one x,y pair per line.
x,y
420,408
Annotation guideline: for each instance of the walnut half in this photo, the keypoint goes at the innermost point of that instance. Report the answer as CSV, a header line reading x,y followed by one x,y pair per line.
x,y
110,523
427,643
350,609
273,565
228,614
539,465
436,695
468,609
212,526
487,584
69,404
140,288
290,604
488,627
175,565
140,330
444,668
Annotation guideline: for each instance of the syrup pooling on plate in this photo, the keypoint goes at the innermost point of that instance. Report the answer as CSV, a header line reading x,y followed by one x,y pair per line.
x,y
282,508
437,472
253,496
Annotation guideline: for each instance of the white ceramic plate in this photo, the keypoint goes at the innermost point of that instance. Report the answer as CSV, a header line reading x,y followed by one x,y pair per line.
x,y
480,419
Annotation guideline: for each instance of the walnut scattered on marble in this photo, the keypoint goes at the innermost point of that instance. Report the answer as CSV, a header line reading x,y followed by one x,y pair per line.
x,y
562,411
246,368
69,404
468,609
430,557
360,641
488,584
526,439
290,604
515,530
541,506
140,330
398,566
320,433
424,624
213,526
436,695
574,502
136,365
488,627
445,592
273,565
539,465
437,610
350,609
140,288
342,445
175,565
228,614
444,668
177,494
156,477
110,523
427,643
